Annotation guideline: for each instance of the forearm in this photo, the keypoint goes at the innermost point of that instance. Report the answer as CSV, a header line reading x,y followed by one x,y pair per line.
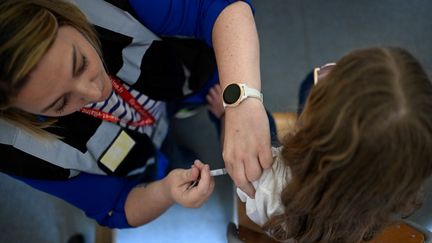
x,y
147,202
222,130
246,146
235,41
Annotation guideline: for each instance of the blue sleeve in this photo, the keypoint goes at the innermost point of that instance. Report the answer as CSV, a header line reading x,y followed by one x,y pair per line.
x,y
100,197
193,18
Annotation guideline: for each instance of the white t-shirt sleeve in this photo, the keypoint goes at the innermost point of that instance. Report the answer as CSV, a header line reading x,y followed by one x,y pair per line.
x,y
268,188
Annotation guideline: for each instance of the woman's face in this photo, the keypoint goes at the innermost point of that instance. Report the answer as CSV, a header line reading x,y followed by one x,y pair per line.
x,y
69,76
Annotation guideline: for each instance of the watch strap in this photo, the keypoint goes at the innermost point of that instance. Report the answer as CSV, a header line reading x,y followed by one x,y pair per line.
x,y
246,92
251,92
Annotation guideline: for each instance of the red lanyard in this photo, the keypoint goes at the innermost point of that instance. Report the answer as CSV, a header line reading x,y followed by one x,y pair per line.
x,y
146,117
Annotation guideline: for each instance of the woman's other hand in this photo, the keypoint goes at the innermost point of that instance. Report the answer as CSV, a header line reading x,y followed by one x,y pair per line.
x,y
246,147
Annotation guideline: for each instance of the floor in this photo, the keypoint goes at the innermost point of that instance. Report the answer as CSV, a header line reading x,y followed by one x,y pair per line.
x,y
28,215
295,36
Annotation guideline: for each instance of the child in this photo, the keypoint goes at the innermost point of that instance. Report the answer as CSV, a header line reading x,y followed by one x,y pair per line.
x,y
359,156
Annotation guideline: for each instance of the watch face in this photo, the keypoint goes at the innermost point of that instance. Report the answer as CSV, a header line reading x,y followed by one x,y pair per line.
x,y
231,94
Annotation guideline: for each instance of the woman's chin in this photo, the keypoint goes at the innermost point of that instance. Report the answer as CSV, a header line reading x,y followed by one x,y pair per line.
x,y
106,89
106,92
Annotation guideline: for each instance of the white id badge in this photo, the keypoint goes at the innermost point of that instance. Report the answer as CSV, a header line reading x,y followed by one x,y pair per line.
x,y
117,151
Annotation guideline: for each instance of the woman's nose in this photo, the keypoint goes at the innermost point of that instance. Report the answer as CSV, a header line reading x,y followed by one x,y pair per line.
x,y
89,90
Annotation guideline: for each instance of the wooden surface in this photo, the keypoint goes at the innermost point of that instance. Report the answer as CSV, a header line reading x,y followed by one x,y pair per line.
x,y
104,235
285,122
250,236
248,231
243,218
400,232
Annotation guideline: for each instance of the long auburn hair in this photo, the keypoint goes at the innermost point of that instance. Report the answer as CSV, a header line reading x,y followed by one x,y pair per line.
x,y
27,31
361,152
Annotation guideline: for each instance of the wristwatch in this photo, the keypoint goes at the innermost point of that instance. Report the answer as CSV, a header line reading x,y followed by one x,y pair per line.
x,y
235,93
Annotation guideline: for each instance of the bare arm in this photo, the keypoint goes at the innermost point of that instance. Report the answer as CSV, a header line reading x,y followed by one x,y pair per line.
x,y
246,147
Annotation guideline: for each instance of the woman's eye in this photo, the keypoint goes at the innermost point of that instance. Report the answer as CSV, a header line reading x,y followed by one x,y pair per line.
x,y
63,104
84,65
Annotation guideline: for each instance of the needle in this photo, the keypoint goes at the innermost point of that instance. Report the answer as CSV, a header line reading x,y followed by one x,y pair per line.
x,y
216,172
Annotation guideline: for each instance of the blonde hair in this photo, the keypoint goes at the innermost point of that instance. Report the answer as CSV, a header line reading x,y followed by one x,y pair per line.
x,y
361,152
28,30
